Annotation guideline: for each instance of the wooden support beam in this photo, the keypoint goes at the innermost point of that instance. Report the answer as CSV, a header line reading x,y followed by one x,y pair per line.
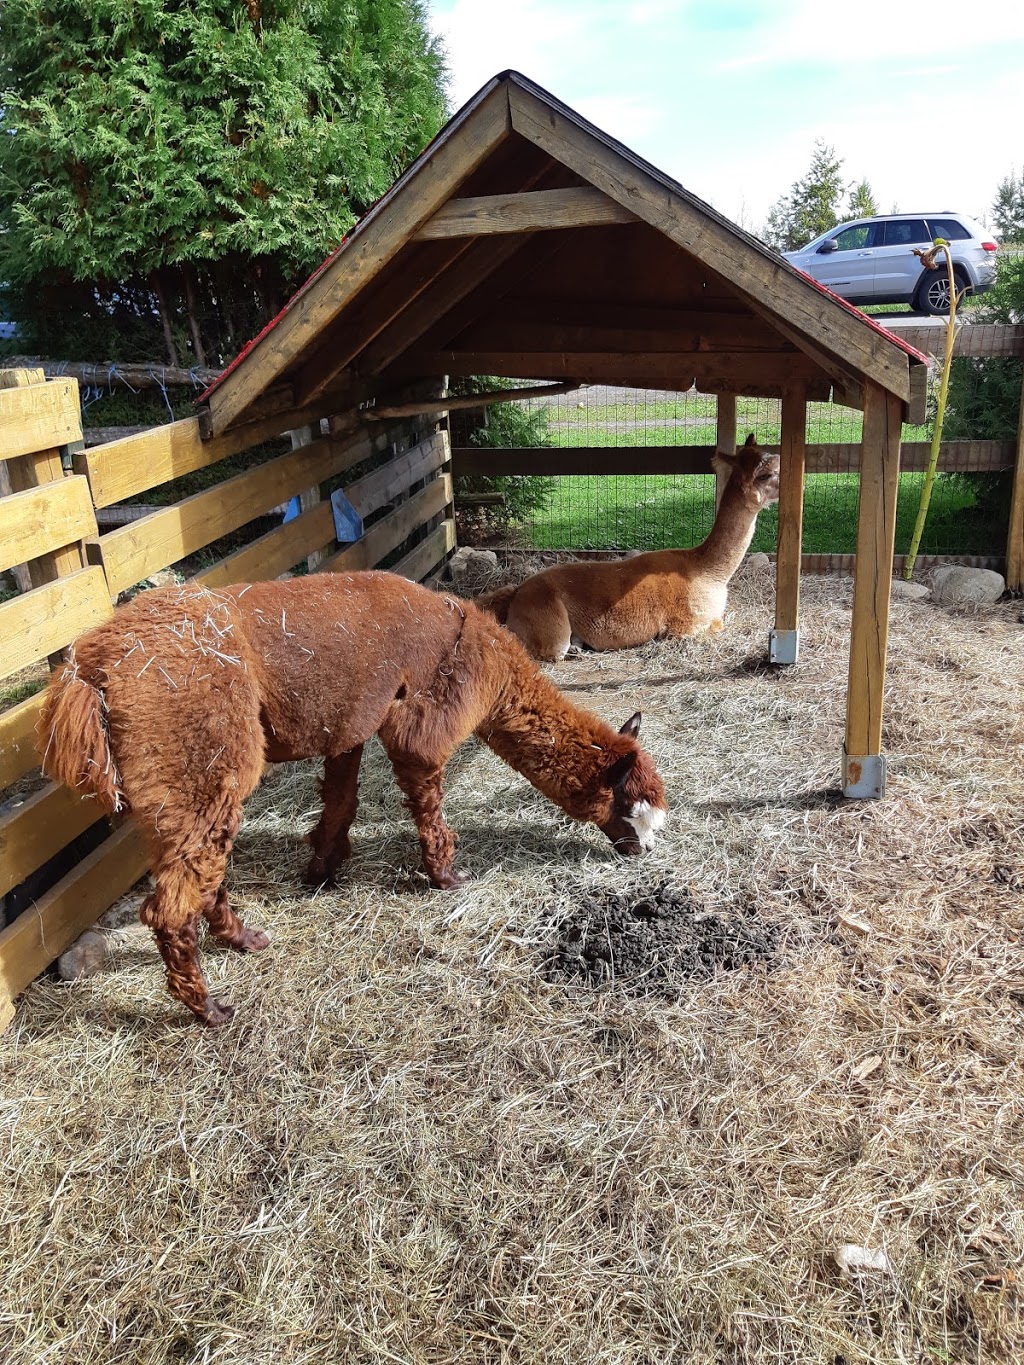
x,y
784,646
1015,538
475,400
863,764
725,438
534,211
390,224
726,371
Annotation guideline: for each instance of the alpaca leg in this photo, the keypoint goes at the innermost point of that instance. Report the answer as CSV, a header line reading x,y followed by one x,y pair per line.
x,y
330,841
227,928
424,792
188,875
540,619
177,939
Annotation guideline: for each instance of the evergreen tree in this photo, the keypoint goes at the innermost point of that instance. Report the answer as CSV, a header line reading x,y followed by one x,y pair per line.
x,y
1008,209
812,204
173,168
862,202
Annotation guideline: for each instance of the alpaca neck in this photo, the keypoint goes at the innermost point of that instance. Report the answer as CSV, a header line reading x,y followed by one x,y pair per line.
x,y
722,553
534,729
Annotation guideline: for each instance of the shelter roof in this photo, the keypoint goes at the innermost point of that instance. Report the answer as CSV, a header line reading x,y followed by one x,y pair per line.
x,y
526,242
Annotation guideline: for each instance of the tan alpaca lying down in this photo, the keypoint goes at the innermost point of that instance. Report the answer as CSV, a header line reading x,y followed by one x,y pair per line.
x,y
667,592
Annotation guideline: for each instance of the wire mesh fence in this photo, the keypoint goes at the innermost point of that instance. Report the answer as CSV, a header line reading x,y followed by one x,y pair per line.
x,y
647,511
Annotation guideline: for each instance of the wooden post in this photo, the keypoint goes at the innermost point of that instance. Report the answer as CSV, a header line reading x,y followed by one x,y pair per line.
x,y
725,439
784,640
28,471
1015,538
863,761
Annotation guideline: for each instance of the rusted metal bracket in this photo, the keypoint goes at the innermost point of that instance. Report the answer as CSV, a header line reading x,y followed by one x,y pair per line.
x,y
783,646
864,777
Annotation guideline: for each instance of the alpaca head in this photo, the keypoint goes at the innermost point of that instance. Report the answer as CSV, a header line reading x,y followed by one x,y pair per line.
x,y
631,800
755,472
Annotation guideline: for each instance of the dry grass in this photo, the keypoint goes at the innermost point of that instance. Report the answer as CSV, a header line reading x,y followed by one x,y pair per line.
x,y
410,1147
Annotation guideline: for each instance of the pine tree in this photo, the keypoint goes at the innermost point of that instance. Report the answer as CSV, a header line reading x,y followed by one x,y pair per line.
x,y
812,205
173,168
1008,208
862,202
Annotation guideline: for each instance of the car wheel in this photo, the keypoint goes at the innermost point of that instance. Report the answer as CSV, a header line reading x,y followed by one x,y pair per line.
x,y
933,292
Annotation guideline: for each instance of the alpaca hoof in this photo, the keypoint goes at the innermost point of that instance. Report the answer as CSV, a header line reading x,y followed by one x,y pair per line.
x,y
217,1014
448,881
253,941
318,874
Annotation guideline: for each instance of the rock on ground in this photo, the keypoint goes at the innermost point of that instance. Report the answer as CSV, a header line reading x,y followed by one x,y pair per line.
x,y
957,585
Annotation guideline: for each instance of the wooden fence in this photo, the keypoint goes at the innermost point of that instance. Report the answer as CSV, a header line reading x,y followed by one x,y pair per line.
x,y
401,485
966,456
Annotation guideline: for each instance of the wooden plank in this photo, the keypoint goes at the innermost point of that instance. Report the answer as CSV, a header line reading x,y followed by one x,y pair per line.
x,y
419,193
38,417
451,289
133,552
394,479
422,407
872,580
723,333
749,269
1015,533
388,533
46,619
127,467
41,826
39,935
424,558
42,519
835,458
18,754
725,434
791,510
680,370
533,211
281,549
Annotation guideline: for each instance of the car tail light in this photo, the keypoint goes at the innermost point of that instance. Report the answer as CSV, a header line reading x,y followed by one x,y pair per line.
x,y
990,246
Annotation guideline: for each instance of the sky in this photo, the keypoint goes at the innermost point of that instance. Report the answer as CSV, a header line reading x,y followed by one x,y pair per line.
x,y
925,101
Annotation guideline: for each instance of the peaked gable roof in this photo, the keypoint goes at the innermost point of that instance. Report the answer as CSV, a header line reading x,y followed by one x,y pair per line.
x,y
523,240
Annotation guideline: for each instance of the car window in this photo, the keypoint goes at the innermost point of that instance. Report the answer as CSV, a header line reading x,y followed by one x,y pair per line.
x,y
906,232
856,238
948,228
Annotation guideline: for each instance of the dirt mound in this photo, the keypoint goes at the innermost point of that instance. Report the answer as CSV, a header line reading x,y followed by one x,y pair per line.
x,y
656,943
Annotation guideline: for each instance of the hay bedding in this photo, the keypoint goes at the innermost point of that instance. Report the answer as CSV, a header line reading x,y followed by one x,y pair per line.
x,y
412,1146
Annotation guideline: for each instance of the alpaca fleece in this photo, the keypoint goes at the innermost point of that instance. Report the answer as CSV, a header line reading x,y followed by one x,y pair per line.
x,y
171,709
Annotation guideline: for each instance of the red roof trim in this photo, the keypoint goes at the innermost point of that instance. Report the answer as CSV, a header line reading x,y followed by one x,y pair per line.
x,y
894,337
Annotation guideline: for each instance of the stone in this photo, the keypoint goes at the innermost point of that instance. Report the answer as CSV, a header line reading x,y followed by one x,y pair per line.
x,y
87,956
913,591
957,585
467,561
756,563
164,578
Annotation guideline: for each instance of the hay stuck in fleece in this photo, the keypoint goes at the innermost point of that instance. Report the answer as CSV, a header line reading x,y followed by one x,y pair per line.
x,y
413,1147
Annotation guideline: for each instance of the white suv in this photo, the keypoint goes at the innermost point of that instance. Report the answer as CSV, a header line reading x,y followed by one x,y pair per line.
x,y
871,260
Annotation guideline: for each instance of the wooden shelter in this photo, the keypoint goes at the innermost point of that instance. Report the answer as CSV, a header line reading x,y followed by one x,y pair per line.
x,y
525,242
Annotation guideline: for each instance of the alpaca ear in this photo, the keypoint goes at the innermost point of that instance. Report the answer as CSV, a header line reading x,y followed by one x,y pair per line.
x,y
723,464
750,443
620,769
632,726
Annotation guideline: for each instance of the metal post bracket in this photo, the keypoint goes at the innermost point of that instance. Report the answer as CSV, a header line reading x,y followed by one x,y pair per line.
x,y
864,777
783,646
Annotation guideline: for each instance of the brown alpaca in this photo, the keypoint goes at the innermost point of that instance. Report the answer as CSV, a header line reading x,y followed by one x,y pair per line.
x,y
172,707
667,592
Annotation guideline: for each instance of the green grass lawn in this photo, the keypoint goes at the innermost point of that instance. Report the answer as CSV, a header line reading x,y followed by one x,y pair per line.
x,y
661,511
648,512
